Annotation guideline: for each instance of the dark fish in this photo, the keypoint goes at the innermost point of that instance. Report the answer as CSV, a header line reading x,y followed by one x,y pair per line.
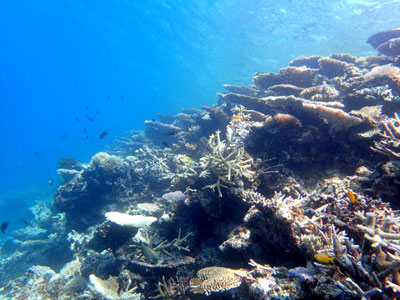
x,y
50,182
103,134
122,98
36,153
25,222
86,107
148,251
84,137
153,119
63,136
85,130
165,144
97,112
89,118
4,226
77,119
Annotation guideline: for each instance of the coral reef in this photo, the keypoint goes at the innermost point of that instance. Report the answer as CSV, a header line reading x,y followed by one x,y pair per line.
x,y
386,42
285,189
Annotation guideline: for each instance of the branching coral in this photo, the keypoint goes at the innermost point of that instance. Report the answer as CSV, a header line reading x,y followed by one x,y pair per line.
x,y
227,160
390,144
158,254
173,288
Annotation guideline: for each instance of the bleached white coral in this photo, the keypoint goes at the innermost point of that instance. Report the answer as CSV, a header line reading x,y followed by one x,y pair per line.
x,y
129,220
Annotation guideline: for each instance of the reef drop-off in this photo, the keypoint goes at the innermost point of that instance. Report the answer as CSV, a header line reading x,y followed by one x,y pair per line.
x,y
285,189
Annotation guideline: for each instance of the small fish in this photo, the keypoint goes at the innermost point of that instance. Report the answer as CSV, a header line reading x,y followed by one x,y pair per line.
x,y
103,134
63,136
324,258
85,130
148,251
4,226
77,119
36,153
97,112
165,144
89,118
236,117
351,196
84,137
86,107
50,182
122,98
176,197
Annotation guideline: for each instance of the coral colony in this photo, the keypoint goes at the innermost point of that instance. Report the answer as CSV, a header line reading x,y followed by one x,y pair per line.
x,y
286,189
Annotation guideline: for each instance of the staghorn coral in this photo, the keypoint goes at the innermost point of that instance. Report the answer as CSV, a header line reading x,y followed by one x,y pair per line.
x,y
274,283
160,255
173,288
226,162
390,143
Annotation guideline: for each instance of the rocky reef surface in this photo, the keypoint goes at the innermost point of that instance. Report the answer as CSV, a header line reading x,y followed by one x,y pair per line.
x,y
286,189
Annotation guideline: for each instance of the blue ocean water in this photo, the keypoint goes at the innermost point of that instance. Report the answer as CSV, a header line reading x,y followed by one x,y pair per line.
x,y
119,63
